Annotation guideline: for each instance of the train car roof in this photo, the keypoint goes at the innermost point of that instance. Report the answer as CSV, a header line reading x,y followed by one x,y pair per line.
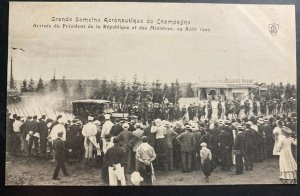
x,y
97,101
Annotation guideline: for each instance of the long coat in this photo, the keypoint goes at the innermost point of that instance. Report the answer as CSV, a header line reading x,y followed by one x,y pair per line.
x,y
187,140
59,149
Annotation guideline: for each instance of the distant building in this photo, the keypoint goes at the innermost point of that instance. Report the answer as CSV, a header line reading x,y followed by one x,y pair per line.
x,y
220,89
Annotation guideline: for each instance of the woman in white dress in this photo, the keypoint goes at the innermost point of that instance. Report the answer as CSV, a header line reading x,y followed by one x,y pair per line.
x,y
276,133
287,163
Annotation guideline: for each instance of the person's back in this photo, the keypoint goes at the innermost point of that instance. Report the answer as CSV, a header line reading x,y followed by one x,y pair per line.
x,y
187,141
115,155
116,130
59,149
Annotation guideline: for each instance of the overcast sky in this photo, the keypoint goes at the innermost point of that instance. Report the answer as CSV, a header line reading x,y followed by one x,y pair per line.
x,y
239,39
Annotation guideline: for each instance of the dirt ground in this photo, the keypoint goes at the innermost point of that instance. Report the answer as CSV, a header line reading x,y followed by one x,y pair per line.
x,y
30,171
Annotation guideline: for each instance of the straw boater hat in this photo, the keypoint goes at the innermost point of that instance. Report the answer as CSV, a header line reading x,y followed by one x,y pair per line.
x,y
90,118
138,125
136,178
125,125
158,122
239,127
107,117
60,120
203,144
286,130
97,122
188,127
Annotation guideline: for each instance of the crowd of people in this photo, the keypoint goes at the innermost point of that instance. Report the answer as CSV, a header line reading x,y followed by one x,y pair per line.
x,y
133,146
168,111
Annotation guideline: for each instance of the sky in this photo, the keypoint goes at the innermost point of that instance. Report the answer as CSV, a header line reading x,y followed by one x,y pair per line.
x,y
239,44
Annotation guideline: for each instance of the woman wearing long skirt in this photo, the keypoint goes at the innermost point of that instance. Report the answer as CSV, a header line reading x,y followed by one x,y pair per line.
x,y
287,163
277,133
206,160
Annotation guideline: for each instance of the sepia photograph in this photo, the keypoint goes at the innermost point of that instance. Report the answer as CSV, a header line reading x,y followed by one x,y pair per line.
x,y
150,94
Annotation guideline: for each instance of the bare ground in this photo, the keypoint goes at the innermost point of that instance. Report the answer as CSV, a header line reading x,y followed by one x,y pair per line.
x,y
29,171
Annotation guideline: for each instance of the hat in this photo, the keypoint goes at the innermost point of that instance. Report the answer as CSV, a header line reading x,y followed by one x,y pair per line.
x,y
107,117
167,124
60,120
286,130
158,122
90,118
188,127
203,144
138,125
249,123
125,125
136,178
239,127
144,139
177,123
97,122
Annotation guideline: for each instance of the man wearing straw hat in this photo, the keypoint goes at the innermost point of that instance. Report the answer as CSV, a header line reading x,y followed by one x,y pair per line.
x,y
89,132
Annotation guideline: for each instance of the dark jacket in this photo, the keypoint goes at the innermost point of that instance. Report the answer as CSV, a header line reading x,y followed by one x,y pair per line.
x,y
150,136
187,140
115,155
59,149
226,140
116,130
126,139
251,139
240,143
43,129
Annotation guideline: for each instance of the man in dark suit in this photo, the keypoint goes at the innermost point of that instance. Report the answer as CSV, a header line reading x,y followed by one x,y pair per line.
x,y
187,141
239,150
126,138
226,142
149,135
116,129
219,109
34,136
60,150
251,143
43,129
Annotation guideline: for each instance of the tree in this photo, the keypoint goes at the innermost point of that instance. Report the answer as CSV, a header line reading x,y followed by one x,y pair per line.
x,y
12,83
122,91
104,89
177,88
31,86
113,89
53,85
79,91
40,85
64,87
135,88
189,90
24,86
288,91
95,90
165,92
293,91
157,92
172,94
